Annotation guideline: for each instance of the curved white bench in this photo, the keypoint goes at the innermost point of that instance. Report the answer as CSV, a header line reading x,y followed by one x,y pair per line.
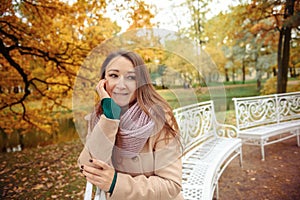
x,y
264,120
209,148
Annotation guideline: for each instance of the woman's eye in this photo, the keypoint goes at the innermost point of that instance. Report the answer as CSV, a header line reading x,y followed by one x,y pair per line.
x,y
113,75
131,77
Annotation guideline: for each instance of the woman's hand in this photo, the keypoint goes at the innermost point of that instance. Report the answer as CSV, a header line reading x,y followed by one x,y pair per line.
x,y
100,88
99,173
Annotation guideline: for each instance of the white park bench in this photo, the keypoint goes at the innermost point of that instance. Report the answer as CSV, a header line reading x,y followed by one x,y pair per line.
x,y
264,120
209,148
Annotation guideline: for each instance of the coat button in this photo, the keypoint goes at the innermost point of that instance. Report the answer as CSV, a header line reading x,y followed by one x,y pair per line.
x,y
135,158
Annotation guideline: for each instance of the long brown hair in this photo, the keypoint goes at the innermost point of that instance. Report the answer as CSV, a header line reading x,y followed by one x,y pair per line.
x,y
147,97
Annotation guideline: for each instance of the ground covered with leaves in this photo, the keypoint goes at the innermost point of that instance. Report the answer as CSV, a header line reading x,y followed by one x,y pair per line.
x,y
278,177
50,172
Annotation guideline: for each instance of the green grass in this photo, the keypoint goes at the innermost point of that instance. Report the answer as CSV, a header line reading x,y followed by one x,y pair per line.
x,y
238,82
181,97
242,91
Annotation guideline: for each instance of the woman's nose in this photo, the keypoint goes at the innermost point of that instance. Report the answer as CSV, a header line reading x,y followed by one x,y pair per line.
x,y
121,82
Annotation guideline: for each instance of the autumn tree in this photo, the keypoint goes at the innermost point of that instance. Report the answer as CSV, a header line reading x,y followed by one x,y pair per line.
x,y
227,45
193,15
197,10
141,16
256,28
42,45
273,23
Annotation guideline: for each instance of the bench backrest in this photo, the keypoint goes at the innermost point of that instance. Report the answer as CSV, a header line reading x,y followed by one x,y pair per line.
x,y
196,123
267,109
288,106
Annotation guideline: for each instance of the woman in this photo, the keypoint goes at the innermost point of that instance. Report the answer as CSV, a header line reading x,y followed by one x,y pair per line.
x,y
132,149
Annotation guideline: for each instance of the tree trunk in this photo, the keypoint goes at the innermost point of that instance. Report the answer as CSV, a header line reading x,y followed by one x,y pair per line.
x,y
258,80
233,74
294,72
244,72
284,49
283,67
274,71
291,72
226,75
258,83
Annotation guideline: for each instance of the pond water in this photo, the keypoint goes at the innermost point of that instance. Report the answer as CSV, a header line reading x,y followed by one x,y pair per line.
x,y
16,142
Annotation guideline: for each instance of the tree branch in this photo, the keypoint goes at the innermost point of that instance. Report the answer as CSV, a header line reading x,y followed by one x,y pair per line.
x,y
4,51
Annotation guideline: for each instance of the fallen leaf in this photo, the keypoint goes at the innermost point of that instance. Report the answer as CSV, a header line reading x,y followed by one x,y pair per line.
x,y
38,186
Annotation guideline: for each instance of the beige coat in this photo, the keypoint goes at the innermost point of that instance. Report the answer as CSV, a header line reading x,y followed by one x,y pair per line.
x,y
155,174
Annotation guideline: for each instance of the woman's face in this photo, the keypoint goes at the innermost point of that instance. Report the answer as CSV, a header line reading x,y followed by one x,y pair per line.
x,y
121,81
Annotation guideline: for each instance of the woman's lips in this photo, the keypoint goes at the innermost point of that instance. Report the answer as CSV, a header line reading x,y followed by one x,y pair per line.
x,y
121,94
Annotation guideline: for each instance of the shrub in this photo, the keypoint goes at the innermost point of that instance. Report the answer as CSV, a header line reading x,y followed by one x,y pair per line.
x,y
270,86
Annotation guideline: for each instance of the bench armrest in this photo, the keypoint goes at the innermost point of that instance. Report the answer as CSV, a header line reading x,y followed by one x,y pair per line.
x,y
226,130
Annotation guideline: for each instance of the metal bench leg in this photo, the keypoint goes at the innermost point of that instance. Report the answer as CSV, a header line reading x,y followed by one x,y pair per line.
x,y
241,157
217,190
298,137
262,143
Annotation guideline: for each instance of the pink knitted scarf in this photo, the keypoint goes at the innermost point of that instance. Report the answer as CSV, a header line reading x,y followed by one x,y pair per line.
x,y
134,130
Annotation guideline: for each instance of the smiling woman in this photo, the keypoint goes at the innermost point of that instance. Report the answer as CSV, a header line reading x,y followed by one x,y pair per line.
x,y
132,148
120,81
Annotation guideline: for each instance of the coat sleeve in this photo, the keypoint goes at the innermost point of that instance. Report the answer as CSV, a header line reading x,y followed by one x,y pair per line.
x,y
164,184
100,141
